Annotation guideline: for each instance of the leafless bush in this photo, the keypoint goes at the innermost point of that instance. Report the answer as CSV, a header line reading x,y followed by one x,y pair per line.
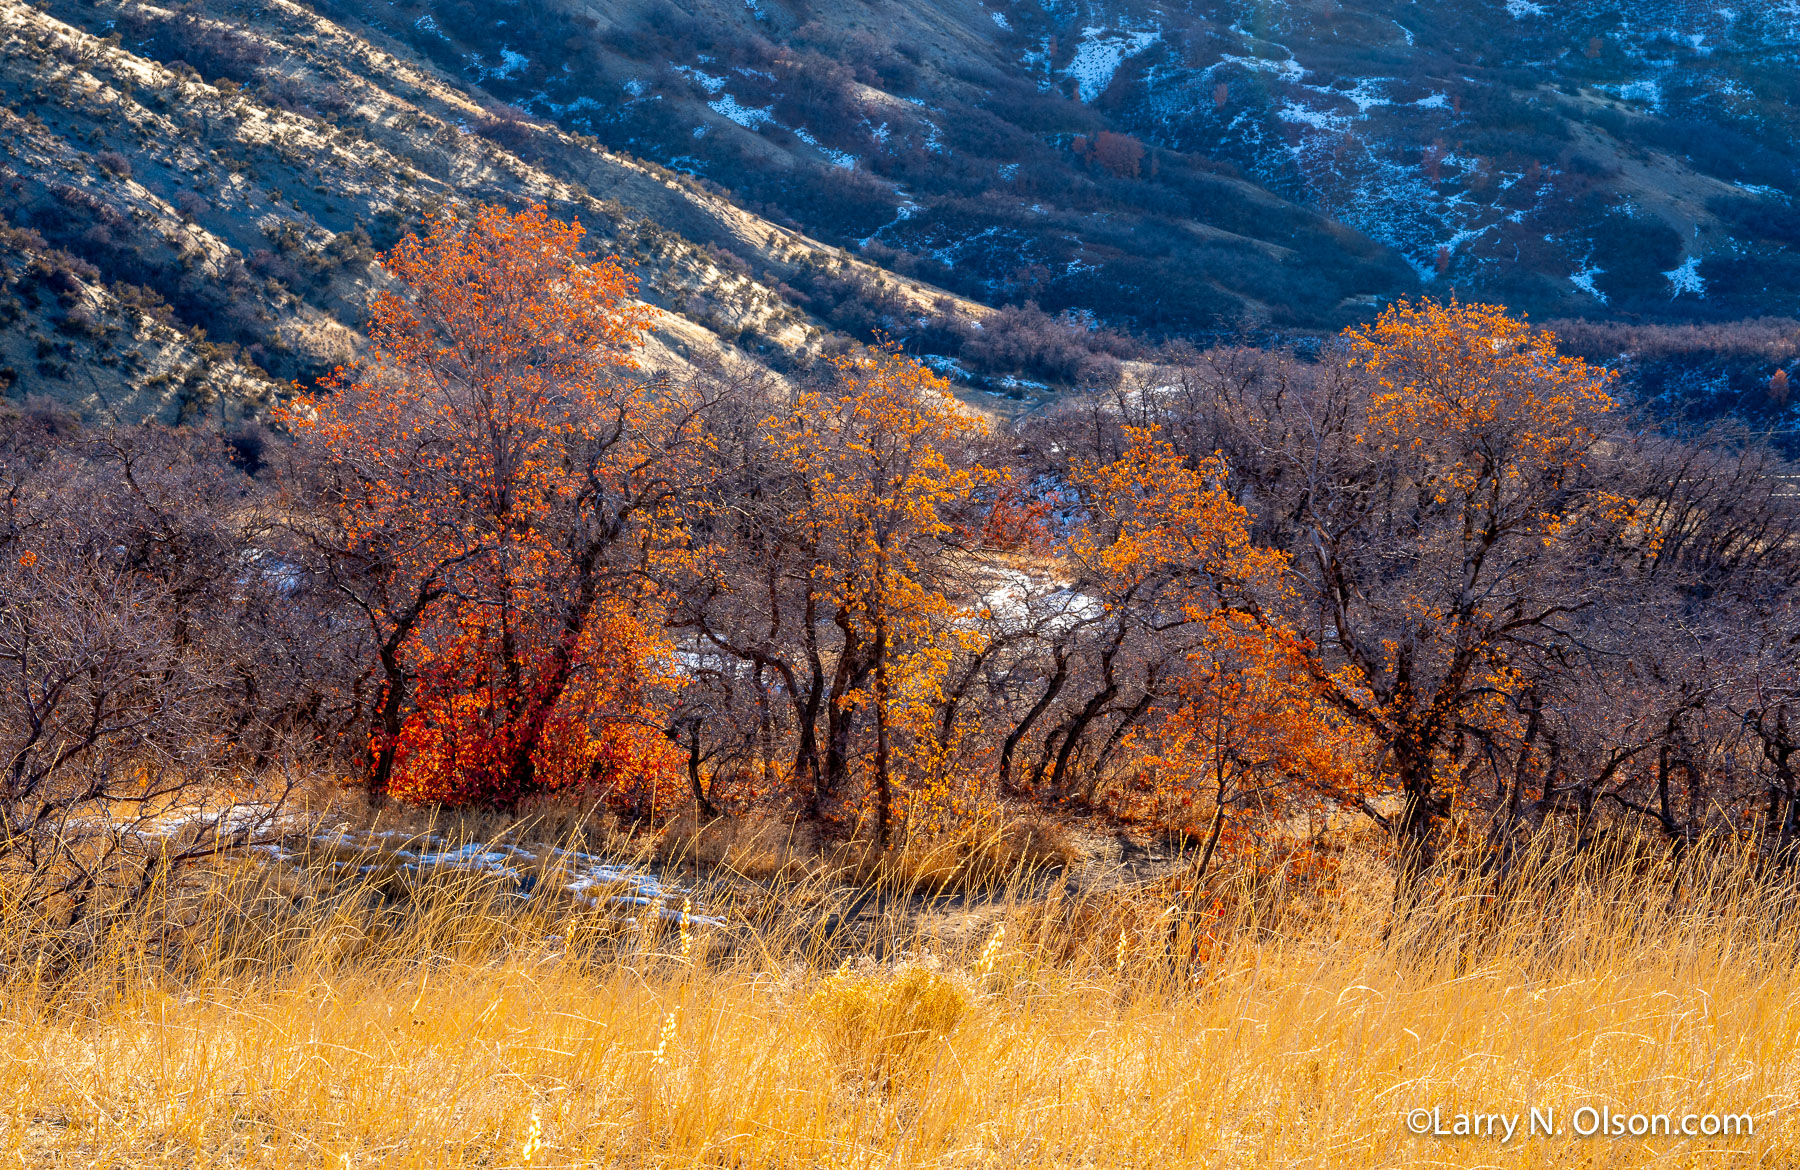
x,y
148,706
113,163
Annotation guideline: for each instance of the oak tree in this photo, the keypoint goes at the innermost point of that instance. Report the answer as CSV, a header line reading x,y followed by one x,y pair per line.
x,y
500,485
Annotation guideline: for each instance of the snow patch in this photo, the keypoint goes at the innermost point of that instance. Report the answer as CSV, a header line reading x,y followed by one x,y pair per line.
x,y
295,838
1018,602
1100,56
1647,91
746,116
1687,279
1000,19
1317,119
1366,96
841,159
511,65
1288,70
1584,280
707,81
903,212
1520,9
946,367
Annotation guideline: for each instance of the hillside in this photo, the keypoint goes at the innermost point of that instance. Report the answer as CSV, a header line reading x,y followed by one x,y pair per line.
x,y
920,136
1172,167
194,194
184,234
1575,157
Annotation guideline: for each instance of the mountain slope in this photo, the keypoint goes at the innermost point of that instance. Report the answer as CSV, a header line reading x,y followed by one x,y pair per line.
x,y
192,195
1587,156
912,134
1176,166
237,204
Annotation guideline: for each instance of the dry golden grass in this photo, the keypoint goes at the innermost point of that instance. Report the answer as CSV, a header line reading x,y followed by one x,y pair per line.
x,y
300,1020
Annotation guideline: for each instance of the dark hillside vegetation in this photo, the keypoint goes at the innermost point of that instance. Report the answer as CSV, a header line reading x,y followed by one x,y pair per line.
x,y
1187,165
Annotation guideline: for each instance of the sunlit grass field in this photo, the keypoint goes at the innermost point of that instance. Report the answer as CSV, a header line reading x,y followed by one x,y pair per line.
x,y
318,1013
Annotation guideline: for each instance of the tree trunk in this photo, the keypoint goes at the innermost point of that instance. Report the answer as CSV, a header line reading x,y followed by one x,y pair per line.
x,y
1212,832
705,807
1078,728
1057,679
883,780
1414,829
806,760
765,727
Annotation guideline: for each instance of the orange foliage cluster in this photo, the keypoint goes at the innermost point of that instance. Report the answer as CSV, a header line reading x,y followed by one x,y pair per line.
x,y
496,489
879,484
1248,725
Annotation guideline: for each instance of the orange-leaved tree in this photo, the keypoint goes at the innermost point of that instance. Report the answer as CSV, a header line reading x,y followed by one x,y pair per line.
x,y
875,492
500,486
1249,731
1241,719
1447,538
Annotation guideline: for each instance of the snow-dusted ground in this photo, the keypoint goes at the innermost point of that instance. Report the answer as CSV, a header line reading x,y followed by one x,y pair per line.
x,y
1380,150
946,367
840,158
746,116
512,63
1100,54
1687,279
288,836
706,81
1584,280
1287,69
1019,602
592,880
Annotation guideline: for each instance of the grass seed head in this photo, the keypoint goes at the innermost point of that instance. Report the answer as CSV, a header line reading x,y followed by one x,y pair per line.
x,y
661,1058
990,954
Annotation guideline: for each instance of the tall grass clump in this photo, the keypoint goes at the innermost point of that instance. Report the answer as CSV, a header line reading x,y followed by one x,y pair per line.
x,y
331,1011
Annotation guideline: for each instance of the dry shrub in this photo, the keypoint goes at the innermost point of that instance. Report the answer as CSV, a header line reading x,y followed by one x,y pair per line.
x,y
766,845
887,1024
1024,845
